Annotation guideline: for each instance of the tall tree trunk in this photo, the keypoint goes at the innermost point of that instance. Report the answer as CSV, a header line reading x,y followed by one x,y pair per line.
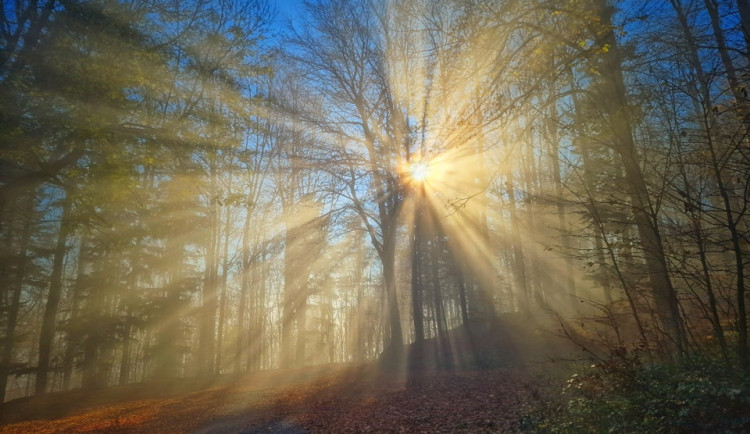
x,y
73,339
291,290
712,6
615,107
388,204
537,282
743,7
249,270
223,294
16,288
418,250
301,316
705,113
94,347
417,273
736,240
125,359
712,303
569,287
395,337
241,344
444,356
519,266
731,222
47,334
462,295
257,342
90,359
207,332
588,172
359,312
168,334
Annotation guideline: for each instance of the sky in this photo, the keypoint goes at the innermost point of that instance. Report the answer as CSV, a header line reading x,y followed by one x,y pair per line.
x,y
286,10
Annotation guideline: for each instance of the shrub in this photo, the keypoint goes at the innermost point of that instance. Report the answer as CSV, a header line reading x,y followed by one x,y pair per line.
x,y
622,394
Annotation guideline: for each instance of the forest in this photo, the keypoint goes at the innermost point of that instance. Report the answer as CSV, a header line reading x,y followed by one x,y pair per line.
x,y
210,189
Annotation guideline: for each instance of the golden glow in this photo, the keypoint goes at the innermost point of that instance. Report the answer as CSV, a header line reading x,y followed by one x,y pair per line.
x,y
419,172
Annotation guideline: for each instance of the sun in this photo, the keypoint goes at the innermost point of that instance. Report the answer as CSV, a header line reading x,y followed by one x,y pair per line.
x,y
419,172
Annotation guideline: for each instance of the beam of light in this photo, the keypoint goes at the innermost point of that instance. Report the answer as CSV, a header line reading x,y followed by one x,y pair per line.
x,y
419,172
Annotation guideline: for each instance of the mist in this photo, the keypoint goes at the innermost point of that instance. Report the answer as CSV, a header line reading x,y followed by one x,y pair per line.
x,y
195,191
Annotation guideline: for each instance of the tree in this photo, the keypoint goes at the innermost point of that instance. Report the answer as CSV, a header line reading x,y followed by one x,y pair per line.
x,y
341,49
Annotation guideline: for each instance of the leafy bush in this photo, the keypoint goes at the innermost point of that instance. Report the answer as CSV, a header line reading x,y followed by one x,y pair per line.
x,y
624,395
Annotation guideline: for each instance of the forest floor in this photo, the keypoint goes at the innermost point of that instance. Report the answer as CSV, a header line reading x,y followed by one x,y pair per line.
x,y
332,398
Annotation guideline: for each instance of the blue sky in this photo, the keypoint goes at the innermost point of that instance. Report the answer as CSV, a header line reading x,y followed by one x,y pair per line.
x,y
287,9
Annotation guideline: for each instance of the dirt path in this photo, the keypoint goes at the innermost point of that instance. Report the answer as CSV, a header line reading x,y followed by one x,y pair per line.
x,y
486,401
246,425
333,399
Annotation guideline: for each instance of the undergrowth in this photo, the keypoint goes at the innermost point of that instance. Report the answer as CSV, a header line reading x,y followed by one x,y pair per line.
x,y
622,394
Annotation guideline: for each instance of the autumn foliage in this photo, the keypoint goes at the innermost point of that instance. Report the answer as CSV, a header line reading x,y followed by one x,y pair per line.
x,y
329,399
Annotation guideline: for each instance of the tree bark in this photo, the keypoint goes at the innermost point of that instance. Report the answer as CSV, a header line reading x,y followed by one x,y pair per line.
x,y
207,333
47,334
706,114
743,7
615,107
395,335
15,290
519,266
712,6
416,272
73,339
